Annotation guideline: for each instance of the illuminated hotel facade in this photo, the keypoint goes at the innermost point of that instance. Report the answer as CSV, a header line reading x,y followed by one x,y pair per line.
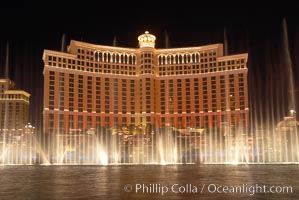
x,y
14,109
92,86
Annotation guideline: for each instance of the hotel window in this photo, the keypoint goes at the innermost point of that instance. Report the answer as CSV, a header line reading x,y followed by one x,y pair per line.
x,y
89,121
107,105
51,116
98,121
242,103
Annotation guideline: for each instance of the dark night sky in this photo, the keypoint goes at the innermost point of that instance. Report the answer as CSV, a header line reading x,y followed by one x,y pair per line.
x,y
257,31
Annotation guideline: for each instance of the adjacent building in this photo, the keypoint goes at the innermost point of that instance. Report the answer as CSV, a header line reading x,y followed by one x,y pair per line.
x,y
92,86
14,108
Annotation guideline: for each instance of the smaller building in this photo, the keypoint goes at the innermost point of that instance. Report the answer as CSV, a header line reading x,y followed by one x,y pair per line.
x,y
14,107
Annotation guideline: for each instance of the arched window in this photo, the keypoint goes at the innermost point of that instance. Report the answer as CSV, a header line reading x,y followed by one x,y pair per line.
x,y
189,58
100,57
105,57
185,58
180,59
113,58
109,57
168,59
197,57
122,58
96,56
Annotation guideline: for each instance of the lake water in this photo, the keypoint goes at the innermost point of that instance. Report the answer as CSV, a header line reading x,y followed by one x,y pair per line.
x,y
149,182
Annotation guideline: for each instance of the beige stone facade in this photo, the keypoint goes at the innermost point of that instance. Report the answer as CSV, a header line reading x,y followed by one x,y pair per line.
x,y
92,86
14,108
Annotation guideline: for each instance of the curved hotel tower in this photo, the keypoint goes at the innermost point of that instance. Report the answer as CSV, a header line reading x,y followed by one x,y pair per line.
x,y
92,86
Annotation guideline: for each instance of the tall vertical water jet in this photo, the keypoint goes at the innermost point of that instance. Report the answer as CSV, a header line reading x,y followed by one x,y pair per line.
x,y
167,41
6,73
167,150
114,43
63,43
287,61
5,147
293,135
225,44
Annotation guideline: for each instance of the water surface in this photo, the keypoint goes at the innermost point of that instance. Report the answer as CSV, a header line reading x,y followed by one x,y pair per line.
x,y
148,182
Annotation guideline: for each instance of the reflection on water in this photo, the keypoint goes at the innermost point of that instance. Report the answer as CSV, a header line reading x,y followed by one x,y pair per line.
x,y
103,182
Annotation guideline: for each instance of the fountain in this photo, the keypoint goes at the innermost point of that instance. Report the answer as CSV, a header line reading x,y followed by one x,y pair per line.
x,y
263,142
165,146
21,147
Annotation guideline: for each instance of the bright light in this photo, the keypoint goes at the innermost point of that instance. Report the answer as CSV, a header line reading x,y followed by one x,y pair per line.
x,y
147,40
104,158
234,162
293,112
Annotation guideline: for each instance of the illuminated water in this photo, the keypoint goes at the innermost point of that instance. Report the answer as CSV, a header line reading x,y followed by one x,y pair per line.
x,y
108,182
163,146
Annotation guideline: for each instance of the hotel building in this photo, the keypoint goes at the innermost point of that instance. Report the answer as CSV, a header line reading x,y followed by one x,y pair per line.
x,y
92,86
14,109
